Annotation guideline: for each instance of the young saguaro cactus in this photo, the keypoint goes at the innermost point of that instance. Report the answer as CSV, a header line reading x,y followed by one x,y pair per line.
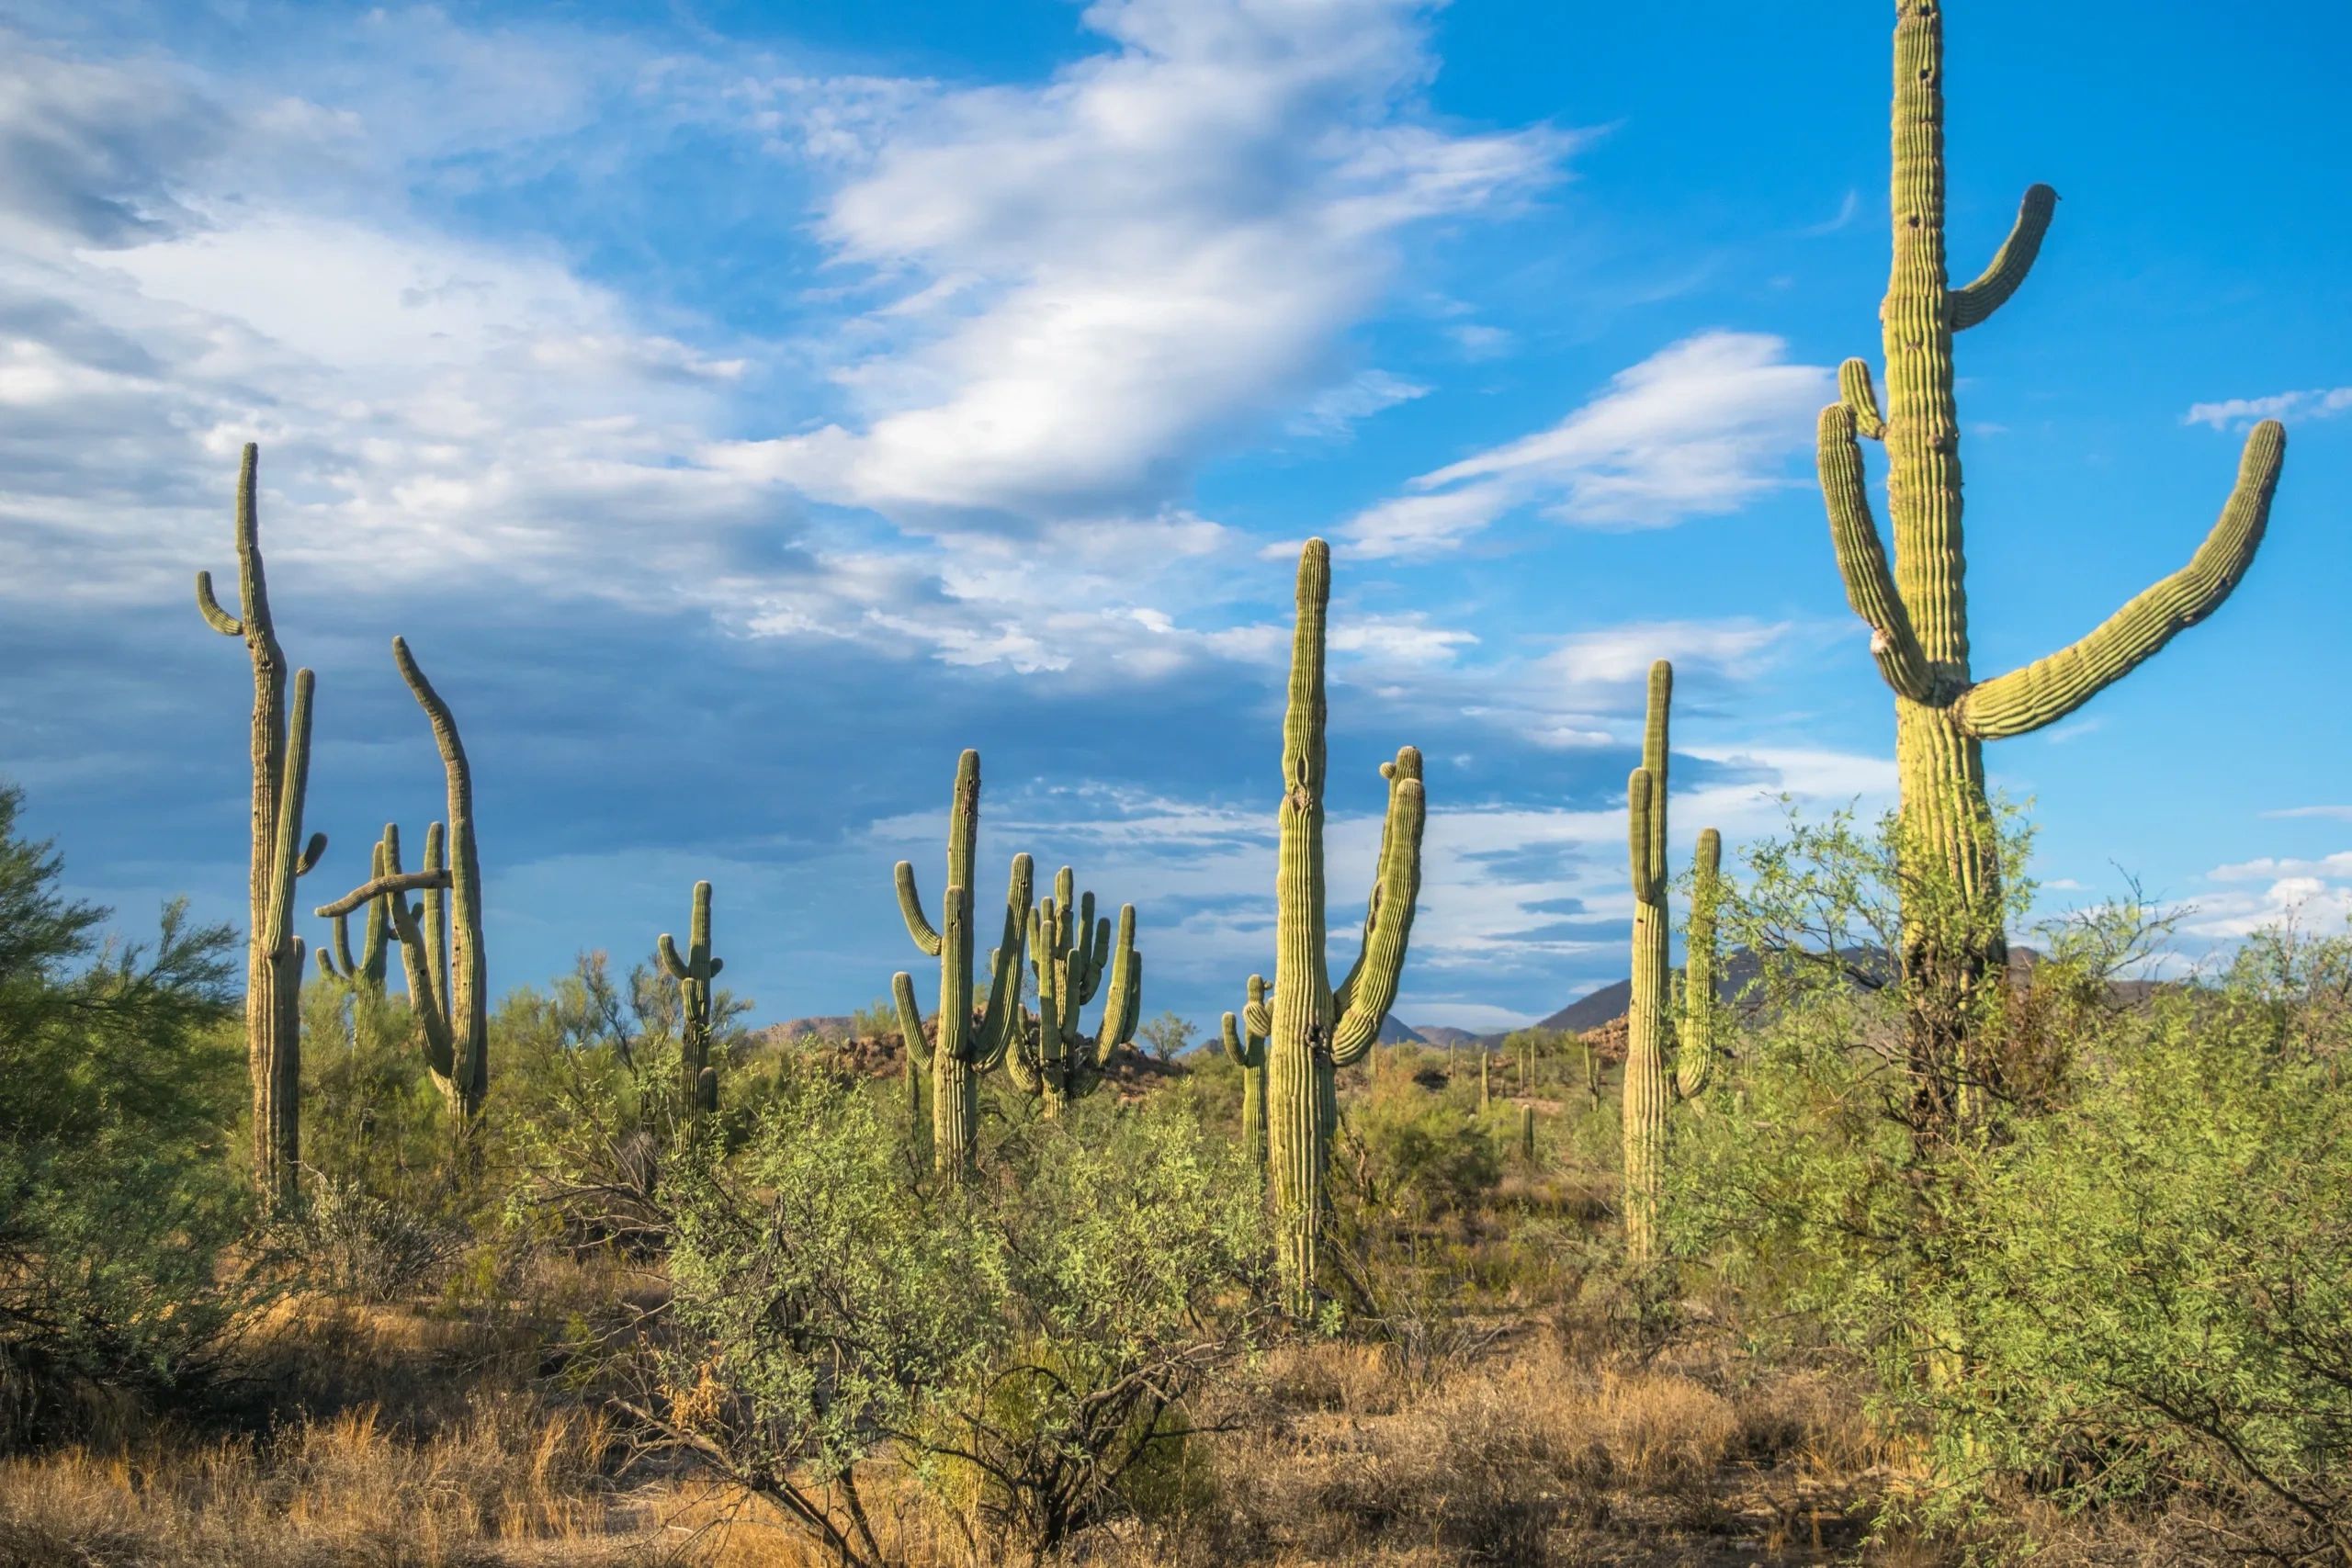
x,y
373,964
1246,1046
1653,1080
442,958
281,770
963,1050
1315,1028
1917,611
1071,953
694,972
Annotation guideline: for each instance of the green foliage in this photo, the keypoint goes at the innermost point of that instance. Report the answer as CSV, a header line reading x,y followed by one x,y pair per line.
x,y
1416,1156
1166,1037
119,1081
1022,1347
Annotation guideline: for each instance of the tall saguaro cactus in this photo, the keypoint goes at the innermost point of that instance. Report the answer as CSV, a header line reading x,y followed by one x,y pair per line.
x,y
1653,1081
1248,1049
281,768
440,939
1316,1029
1918,611
694,973
1070,953
963,1050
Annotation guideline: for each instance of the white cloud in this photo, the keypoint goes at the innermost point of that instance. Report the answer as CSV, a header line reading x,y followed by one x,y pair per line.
x,y
1699,427
1335,410
1158,246
2316,402
2337,813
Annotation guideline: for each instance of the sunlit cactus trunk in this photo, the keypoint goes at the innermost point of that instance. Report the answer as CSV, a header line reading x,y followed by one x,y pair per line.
x,y
963,1050
1657,1073
1918,609
1316,1030
281,765
695,971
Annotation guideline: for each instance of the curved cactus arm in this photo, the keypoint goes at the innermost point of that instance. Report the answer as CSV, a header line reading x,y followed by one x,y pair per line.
x,y
2050,688
1022,1064
1694,1062
342,954
1859,396
902,993
1232,1040
919,926
669,959
326,966
1971,303
423,1002
1862,558
1124,1000
293,783
1383,962
312,853
219,619
1000,1015
1406,765
372,954
395,882
468,997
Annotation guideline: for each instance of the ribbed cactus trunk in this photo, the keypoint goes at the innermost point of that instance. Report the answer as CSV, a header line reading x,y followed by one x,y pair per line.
x,y
962,1052
1315,1030
695,971
1954,948
1646,1091
1527,1133
1248,1049
281,763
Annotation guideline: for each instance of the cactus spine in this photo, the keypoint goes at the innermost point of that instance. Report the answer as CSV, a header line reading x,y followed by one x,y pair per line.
x,y
1917,611
1652,1082
694,973
963,1051
281,768
1314,1028
1246,1046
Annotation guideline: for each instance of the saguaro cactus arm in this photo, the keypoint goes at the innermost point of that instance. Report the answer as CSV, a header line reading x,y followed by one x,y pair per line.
x,y
288,861
919,925
1257,1017
1971,303
1862,557
1694,1059
2050,688
394,882
1371,987
467,1000
1859,396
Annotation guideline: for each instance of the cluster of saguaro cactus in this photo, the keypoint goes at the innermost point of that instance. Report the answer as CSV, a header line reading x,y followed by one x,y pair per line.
x,y
441,944
1071,953
1652,1079
281,768
368,968
1246,1046
693,972
964,1048
1316,1028
1918,611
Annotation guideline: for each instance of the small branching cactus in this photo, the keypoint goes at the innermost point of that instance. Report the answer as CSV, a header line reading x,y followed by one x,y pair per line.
x,y
441,938
1072,956
368,969
1316,1029
964,1048
695,971
1247,1045
1653,1080
281,771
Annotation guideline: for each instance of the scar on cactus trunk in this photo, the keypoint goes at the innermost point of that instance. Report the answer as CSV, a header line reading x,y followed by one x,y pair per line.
x,y
694,972
965,1048
1070,953
1918,611
281,768
441,957
1313,1029
1654,1077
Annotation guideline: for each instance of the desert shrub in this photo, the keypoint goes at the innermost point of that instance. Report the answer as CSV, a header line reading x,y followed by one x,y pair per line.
x,y
1022,1347
1411,1154
120,1073
346,1239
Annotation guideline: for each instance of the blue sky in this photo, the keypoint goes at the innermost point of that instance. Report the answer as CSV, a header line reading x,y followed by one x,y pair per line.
x,y
742,408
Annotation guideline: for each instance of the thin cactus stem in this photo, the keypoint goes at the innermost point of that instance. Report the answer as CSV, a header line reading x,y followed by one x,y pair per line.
x,y
280,754
468,997
1246,1046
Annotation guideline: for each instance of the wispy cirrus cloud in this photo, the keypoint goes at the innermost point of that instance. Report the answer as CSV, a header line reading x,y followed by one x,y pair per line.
x,y
2314,402
1701,427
